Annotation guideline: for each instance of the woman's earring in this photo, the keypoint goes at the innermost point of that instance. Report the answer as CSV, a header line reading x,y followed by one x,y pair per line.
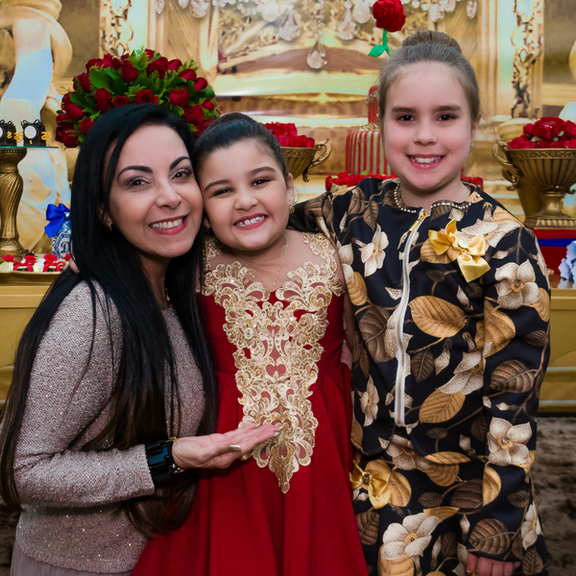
x,y
471,144
108,225
292,207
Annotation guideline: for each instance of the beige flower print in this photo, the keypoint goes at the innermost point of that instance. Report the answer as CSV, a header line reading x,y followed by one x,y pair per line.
x,y
507,443
372,254
531,528
409,538
369,402
516,285
404,456
468,375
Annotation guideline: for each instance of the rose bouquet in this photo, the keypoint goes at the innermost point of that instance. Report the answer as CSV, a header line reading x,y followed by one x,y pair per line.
x,y
287,135
142,77
550,132
32,263
389,15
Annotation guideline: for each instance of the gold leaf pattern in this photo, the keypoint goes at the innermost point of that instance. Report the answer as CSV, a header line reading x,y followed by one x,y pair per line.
x,y
512,376
428,254
491,536
468,495
447,458
491,485
373,326
542,305
520,499
367,523
532,563
443,475
437,317
403,566
440,407
274,381
422,365
499,328
357,290
442,512
370,214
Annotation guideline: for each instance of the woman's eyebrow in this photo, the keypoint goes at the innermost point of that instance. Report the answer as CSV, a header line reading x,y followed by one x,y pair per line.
x,y
149,170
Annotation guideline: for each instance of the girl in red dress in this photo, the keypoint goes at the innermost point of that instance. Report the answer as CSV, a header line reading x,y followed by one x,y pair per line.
x,y
275,302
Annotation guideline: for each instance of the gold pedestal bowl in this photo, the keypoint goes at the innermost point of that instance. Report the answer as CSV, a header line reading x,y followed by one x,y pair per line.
x,y
551,171
301,160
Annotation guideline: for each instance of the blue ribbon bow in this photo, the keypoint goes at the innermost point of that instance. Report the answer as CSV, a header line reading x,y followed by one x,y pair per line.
x,y
56,215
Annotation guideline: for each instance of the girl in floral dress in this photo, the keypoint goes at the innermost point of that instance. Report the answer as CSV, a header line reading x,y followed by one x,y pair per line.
x,y
275,302
451,302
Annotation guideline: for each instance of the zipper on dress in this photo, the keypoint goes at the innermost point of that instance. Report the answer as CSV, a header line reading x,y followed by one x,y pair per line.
x,y
399,407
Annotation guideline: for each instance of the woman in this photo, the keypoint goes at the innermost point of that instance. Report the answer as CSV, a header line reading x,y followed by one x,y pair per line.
x,y
114,363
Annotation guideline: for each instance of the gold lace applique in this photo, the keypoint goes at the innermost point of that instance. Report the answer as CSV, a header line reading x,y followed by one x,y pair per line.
x,y
277,349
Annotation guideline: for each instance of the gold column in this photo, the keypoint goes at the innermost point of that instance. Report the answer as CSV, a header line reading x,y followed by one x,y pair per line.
x,y
11,186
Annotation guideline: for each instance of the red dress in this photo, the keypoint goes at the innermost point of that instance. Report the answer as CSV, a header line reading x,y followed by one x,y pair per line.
x,y
287,509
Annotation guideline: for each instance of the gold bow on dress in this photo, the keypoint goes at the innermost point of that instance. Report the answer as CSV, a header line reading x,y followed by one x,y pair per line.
x,y
375,483
468,253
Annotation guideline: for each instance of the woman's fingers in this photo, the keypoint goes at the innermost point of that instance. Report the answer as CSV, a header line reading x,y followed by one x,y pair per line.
x,y
219,450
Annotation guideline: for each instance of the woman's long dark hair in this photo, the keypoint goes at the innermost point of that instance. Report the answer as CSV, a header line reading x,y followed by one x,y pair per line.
x,y
147,360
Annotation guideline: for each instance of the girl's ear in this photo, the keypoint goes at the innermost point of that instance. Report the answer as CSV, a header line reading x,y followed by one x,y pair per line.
x,y
290,188
475,127
206,222
104,218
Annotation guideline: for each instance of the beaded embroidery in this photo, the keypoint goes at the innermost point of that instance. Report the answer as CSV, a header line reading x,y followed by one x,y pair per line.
x,y
277,349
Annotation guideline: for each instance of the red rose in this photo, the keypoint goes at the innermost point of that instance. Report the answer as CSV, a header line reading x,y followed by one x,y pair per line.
x,y
194,114
93,62
174,64
520,142
200,84
61,118
120,100
571,143
570,129
110,62
84,81
548,128
150,54
179,97
145,97
159,65
86,124
128,72
66,99
67,136
187,74
208,105
291,129
389,14
103,100
73,111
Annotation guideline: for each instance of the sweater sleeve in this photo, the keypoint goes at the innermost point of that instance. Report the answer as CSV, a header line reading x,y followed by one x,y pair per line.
x,y
68,403
516,351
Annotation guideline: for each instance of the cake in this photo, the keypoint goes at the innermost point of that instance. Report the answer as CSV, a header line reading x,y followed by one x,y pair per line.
x,y
364,149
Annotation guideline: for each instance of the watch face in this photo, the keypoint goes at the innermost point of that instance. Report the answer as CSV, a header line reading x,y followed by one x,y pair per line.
x,y
30,132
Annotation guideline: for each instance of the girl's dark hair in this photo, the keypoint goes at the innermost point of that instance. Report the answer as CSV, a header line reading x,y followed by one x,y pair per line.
x,y
232,128
430,46
147,359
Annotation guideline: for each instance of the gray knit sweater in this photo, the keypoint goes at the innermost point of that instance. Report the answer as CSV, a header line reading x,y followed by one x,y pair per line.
x,y
71,498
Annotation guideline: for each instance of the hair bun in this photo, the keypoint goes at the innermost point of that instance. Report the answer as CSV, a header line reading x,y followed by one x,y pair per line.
x,y
432,37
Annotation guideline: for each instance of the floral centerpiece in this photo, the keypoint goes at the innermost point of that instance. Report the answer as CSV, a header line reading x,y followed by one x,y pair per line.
x,y
34,263
142,77
550,132
298,150
545,156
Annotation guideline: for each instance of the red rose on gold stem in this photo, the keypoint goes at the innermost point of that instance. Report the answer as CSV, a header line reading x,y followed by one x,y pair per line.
x,y
389,14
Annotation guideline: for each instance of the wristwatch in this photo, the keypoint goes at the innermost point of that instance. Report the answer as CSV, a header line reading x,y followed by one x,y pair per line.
x,y
160,460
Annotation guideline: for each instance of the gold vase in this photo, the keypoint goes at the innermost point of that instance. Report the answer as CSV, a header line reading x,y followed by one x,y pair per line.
x,y
301,160
551,172
11,186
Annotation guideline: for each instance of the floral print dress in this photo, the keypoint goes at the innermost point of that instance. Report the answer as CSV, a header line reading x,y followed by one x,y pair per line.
x,y
452,342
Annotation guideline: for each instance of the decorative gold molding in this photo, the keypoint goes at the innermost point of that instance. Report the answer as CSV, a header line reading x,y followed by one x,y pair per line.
x,y
116,31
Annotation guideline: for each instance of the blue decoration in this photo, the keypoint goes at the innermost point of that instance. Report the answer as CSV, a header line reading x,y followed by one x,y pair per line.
x,y
58,228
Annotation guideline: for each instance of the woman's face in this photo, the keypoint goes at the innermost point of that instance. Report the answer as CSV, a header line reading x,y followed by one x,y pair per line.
x,y
246,197
154,199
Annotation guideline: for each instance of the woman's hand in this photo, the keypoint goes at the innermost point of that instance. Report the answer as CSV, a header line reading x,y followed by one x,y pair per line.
x,y
219,450
489,567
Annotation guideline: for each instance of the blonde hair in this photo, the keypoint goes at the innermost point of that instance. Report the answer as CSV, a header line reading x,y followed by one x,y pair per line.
x,y
430,46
